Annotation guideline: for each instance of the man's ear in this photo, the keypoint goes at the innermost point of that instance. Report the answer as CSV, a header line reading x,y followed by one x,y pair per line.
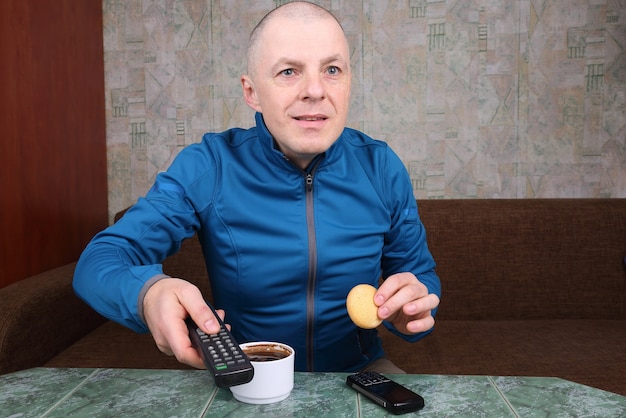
x,y
249,93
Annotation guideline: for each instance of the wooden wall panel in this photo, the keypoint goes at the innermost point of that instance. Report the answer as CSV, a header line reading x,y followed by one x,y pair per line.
x,y
53,172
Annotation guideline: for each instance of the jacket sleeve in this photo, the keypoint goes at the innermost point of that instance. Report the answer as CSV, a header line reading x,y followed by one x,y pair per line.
x,y
121,262
406,248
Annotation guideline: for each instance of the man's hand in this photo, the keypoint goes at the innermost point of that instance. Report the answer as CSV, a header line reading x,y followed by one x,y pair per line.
x,y
166,305
404,301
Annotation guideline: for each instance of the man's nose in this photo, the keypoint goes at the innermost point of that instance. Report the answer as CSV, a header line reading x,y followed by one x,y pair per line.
x,y
313,88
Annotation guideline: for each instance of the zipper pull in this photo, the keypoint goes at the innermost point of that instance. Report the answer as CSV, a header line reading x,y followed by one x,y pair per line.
x,y
309,182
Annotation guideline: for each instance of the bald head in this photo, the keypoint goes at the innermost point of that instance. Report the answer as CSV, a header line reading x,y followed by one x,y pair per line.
x,y
299,79
298,10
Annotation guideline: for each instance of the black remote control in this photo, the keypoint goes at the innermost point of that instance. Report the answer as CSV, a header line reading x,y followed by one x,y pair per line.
x,y
391,395
223,358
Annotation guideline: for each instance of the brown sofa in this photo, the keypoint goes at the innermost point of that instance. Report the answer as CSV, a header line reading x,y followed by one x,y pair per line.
x,y
533,287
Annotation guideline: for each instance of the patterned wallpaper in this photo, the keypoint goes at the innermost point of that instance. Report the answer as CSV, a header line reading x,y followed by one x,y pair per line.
x,y
480,98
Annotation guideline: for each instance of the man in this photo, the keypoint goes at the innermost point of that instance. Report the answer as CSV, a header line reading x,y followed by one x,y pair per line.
x,y
291,215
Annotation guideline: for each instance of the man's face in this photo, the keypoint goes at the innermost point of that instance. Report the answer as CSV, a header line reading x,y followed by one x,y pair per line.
x,y
300,82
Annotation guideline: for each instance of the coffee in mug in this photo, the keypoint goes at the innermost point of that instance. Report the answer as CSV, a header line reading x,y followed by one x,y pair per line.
x,y
266,352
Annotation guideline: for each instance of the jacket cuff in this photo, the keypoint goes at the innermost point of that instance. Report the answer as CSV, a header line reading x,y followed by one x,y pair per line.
x,y
142,294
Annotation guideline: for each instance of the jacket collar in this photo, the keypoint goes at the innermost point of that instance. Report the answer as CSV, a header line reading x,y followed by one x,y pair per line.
x,y
273,153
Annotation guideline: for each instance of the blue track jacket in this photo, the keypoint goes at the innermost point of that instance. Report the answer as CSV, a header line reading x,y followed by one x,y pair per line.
x,y
283,246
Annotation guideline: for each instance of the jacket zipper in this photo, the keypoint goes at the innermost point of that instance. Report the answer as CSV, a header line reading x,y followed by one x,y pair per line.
x,y
312,270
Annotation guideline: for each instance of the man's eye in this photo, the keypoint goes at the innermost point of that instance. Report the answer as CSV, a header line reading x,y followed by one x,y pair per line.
x,y
332,70
288,72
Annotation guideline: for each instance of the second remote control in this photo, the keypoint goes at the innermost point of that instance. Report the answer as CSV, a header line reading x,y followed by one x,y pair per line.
x,y
221,354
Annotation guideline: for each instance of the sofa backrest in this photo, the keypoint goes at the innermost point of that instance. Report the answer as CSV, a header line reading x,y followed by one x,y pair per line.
x,y
529,258
509,258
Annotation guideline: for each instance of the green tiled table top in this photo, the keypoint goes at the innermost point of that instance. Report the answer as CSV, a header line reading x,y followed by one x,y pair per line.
x,y
44,392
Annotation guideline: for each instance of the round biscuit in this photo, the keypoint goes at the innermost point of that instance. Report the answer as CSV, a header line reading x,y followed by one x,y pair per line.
x,y
361,307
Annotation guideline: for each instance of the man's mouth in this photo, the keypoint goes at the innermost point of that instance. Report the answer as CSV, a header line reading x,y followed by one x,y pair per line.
x,y
311,118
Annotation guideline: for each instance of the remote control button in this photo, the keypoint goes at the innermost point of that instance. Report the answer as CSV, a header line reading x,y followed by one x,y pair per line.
x,y
222,355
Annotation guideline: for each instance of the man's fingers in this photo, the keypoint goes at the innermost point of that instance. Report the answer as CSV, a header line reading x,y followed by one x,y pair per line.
x,y
166,306
398,292
190,357
420,325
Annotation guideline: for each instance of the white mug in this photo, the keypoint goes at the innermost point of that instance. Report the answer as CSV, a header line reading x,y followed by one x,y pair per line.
x,y
273,377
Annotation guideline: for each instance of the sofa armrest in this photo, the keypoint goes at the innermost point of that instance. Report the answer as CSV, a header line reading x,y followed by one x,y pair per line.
x,y
41,316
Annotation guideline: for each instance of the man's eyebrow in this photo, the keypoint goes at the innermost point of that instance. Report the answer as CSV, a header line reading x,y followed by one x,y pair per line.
x,y
335,58
285,62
